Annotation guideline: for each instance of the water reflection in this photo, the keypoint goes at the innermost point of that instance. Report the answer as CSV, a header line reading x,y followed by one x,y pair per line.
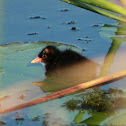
x,y
69,76
104,103
117,40
99,104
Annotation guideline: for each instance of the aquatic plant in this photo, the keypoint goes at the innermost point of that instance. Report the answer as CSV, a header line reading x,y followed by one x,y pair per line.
x,y
113,11
99,103
72,104
102,7
99,100
103,100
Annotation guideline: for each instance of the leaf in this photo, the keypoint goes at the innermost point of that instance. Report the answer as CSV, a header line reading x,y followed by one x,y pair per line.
x,y
96,118
81,3
106,5
108,31
79,116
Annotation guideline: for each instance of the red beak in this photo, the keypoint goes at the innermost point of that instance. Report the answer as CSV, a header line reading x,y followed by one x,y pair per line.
x,y
36,60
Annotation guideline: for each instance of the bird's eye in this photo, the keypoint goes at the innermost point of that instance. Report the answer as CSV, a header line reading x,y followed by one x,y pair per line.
x,y
44,56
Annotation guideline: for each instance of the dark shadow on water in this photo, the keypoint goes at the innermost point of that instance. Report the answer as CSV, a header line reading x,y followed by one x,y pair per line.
x,y
69,76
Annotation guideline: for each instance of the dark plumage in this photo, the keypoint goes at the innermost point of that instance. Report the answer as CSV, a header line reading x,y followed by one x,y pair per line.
x,y
54,58
64,68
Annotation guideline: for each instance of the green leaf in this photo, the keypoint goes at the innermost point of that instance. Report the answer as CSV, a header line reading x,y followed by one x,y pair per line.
x,y
17,56
97,118
79,116
96,9
106,5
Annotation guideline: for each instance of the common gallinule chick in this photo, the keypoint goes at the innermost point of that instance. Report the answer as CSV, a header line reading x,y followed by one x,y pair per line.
x,y
54,58
64,68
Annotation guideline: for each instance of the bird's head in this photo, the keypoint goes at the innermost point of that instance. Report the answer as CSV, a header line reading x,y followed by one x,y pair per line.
x,y
47,55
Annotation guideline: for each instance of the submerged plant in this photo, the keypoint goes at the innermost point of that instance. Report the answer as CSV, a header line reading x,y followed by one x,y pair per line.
x,y
99,103
99,100
72,104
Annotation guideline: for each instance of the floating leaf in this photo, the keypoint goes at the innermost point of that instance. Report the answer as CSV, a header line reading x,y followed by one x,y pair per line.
x,y
79,116
17,71
96,118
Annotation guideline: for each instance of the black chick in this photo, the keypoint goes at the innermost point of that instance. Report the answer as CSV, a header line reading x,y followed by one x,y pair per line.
x,y
55,59
64,68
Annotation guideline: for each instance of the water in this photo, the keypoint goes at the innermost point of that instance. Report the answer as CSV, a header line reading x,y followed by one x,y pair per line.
x,y
17,74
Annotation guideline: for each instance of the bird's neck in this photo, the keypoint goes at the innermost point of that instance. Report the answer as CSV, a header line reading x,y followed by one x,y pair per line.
x,y
51,65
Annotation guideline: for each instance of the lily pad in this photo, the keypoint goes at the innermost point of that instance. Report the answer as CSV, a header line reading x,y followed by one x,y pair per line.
x,y
79,116
18,46
17,73
108,31
96,118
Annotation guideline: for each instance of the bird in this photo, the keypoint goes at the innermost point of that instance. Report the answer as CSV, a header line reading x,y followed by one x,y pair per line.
x,y
64,68
55,59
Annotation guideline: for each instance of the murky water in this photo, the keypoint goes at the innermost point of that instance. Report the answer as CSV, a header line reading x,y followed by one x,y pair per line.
x,y
27,22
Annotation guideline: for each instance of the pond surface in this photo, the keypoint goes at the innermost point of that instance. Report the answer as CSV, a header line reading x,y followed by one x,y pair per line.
x,y
27,27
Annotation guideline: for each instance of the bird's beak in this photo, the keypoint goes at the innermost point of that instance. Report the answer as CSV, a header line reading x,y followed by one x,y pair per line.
x,y
36,60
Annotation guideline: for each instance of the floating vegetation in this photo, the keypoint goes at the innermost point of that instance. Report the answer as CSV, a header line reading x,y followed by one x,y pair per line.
x,y
37,17
48,26
86,36
37,118
46,115
73,104
50,119
85,39
97,25
26,52
44,17
46,119
96,119
99,100
80,39
22,96
74,29
15,47
83,49
19,116
79,116
100,104
18,46
32,33
69,22
64,10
